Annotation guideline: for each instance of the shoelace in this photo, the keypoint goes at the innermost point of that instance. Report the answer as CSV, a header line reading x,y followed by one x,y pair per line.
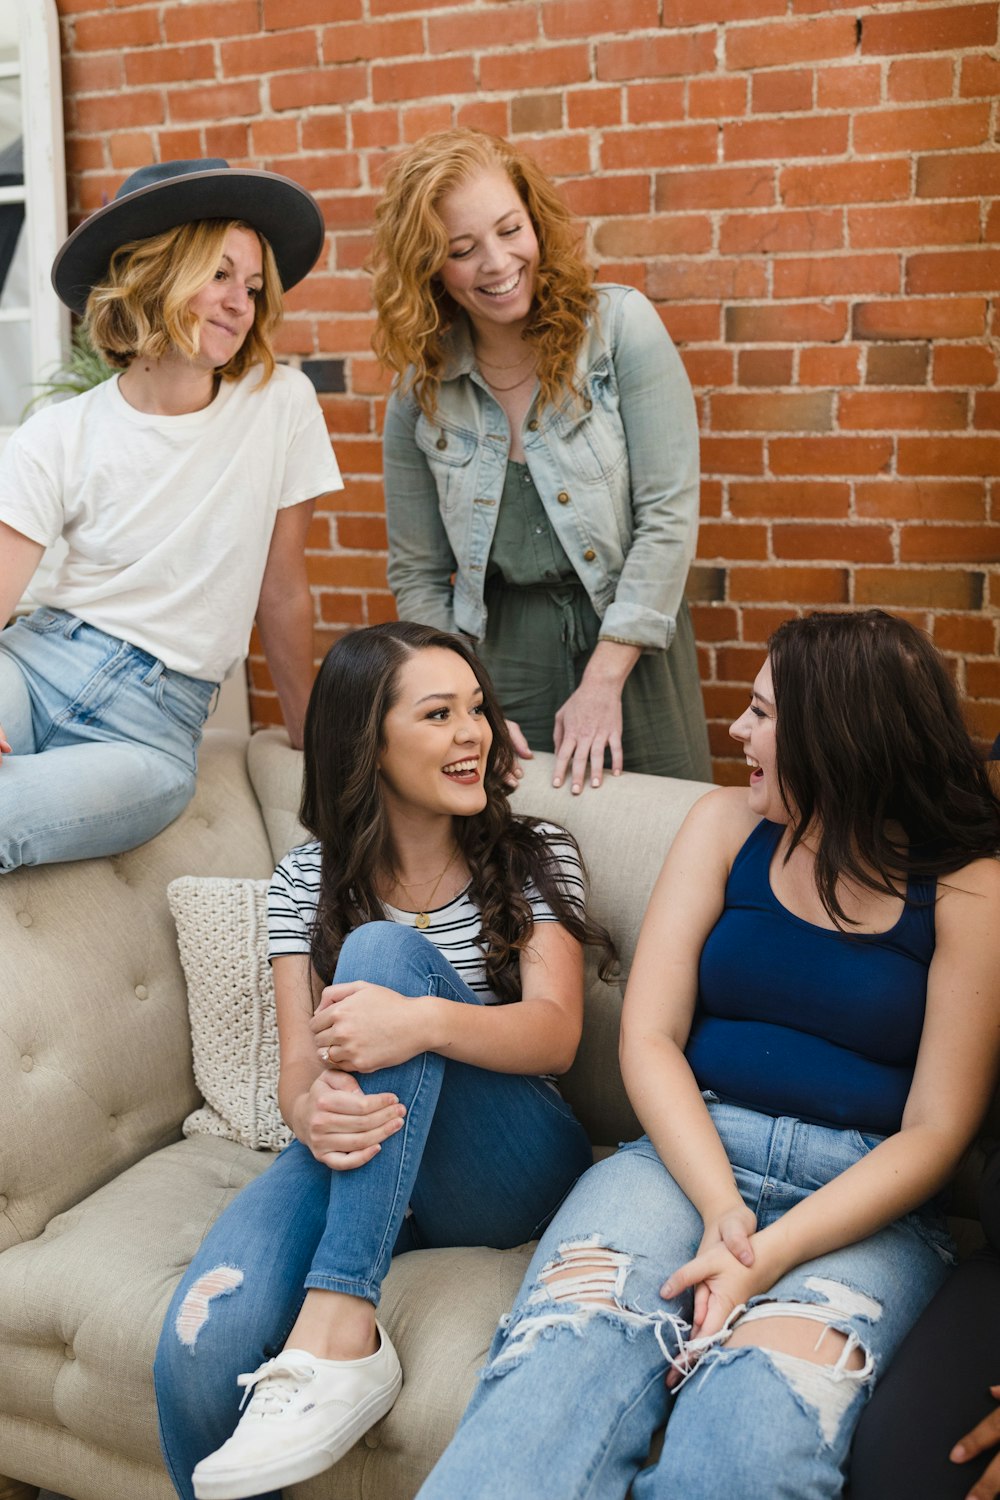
x,y
284,1375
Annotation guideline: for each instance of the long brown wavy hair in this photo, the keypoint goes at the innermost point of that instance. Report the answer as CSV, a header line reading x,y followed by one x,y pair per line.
x,y
343,807
415,313
869,734
142,305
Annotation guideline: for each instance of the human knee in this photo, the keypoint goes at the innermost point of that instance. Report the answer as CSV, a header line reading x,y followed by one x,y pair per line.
x,y
376,951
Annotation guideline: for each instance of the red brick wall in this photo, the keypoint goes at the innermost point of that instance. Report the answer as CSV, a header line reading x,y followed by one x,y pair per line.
x,y
808,192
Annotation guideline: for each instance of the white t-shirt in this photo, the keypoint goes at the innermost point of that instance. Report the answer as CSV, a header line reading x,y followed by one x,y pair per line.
x,y
168,520
453,929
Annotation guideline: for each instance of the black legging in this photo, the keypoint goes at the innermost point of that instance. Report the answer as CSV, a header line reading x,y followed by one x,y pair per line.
x,y
937,1387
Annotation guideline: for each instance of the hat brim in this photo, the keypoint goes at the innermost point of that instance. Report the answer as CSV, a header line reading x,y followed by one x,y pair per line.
x,y
286,215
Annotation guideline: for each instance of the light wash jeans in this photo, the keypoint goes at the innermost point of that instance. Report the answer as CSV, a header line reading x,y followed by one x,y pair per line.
x,y
483,1159
104,738
574,1389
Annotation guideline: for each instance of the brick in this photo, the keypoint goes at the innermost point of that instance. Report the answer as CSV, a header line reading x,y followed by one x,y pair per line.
x,y
345,414
340,609
92,73
976,175
279,137
801,322
467,31
710,277
491,115
777,140
629,148
116,31
771,367
794,585
953,271
923,128
301,91
192,22
714,622
375,127
923,499
684,234
724,702
944,544
788,229
588,18
180,145
422,119
135,108
853,543
169,65
854,86
964,364
211,101
708,367
538,67
279,15
720,187
970,634
130,149
845,182
758,625
810,411
705,584
716,97
605,194
836,275
691,323
781,93
783,42
275,53
346,335
953,317
986,411
674,53
727,539
351,251
365,533
737,663
329,172
710,498
561,155
356,571
830,455
535,112
949,456
980,77
725,455
897,364
929,588
914,79
83,155
789,497
982,679
692,12
925,411
655,103
293,337
930,29
593,107
829,366
232,142
913,224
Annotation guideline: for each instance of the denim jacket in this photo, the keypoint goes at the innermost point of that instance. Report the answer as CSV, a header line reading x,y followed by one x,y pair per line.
x,y
616,468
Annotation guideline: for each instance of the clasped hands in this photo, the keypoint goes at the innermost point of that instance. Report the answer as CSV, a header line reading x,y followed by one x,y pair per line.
x,y
725,1274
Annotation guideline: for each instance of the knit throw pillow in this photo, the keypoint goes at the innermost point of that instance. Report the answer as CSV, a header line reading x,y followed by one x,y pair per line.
x,y
222,937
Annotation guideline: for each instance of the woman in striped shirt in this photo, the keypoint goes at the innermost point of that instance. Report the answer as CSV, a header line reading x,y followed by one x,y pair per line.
x,y
418,1092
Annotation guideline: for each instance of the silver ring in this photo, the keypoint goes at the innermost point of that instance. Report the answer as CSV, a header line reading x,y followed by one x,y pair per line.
x,y
324,1053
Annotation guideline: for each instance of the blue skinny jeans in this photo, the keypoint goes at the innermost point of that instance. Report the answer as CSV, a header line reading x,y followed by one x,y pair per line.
x,y
483,1158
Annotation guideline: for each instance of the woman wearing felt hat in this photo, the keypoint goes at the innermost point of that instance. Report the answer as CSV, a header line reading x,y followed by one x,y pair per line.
x,y
183,488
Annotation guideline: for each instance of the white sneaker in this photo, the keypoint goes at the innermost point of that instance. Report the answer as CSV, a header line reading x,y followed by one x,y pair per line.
x,y
304,1415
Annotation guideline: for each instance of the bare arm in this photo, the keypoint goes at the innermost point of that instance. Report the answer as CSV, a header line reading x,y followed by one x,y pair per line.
x,y
285,616
19,557
366,1026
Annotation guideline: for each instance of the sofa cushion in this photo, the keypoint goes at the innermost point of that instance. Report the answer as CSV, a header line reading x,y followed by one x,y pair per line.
x,y
222,937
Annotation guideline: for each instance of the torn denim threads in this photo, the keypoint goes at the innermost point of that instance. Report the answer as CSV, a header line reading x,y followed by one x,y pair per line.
x,y
577,1369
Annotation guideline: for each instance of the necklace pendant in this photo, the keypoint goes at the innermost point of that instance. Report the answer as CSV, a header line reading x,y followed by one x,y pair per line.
x,y
422,921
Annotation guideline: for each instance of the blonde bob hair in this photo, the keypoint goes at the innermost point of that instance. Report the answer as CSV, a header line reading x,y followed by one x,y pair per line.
x,y
142,305
415,313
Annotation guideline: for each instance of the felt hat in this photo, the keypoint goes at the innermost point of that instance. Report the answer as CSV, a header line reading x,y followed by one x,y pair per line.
x,y
169,193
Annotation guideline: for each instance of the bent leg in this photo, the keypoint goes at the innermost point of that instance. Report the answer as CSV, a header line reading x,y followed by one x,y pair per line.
x,y
15,706
574,1386
934,1392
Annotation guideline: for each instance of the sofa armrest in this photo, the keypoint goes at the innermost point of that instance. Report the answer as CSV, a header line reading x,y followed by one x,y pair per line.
x,y
94,1042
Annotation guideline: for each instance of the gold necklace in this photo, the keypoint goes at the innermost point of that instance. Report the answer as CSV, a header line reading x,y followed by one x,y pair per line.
x,y
530,354
528,375
422,919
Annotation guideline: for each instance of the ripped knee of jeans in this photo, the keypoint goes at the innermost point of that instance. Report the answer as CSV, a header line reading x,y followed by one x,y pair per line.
x,y
193,1313
826,1380
585,1280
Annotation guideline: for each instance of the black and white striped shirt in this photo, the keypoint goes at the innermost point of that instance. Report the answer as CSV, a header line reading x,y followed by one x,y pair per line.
x,y
453,928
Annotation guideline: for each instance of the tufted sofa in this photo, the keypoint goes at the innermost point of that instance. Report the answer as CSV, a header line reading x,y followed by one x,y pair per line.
x,y
102,1203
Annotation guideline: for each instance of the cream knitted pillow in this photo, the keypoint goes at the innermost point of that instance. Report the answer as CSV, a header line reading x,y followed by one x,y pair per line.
x,y
222,937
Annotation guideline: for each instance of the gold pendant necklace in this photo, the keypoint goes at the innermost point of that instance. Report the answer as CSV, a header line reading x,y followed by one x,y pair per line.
x,y
422,919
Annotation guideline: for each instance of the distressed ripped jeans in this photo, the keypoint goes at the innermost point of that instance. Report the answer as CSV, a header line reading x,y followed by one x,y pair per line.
x,y
577,1369
483,1158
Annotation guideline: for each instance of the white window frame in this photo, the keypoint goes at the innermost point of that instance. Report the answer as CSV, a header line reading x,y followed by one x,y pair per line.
x,y
44,189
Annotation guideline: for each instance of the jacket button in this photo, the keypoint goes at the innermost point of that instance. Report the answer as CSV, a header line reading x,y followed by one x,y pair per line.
x,y
588,405
442,442
563,497
533,425
589,555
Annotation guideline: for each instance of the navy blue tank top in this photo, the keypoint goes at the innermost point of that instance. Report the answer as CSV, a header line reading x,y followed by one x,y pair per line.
x,y
795,1019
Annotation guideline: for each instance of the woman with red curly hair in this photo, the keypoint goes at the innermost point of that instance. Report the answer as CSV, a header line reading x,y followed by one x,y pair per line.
x,y
541,462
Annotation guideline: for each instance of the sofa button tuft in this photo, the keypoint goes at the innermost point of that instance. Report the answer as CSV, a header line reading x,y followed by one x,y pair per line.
x,y
25,918
112,1122
27,1063
371,1439
141,992
70,1352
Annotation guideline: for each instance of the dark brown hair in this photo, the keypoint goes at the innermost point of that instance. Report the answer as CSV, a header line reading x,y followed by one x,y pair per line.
x,y
869,736
342,807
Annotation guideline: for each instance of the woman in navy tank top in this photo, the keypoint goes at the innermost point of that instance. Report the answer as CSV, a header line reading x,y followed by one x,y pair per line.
x,y
810,1039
